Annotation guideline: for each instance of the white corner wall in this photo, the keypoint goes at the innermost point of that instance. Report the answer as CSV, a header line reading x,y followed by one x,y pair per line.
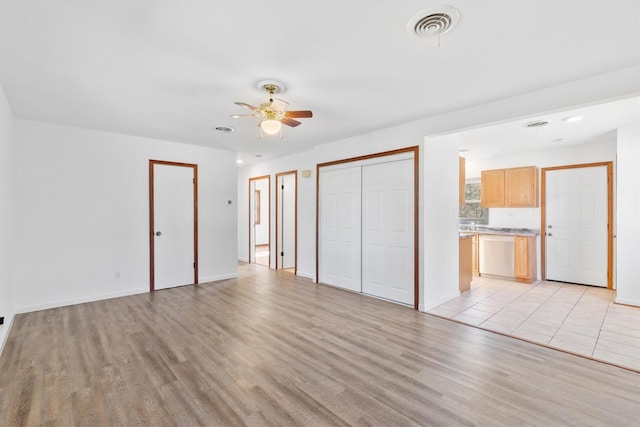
x,y
7,204
82,213
628,217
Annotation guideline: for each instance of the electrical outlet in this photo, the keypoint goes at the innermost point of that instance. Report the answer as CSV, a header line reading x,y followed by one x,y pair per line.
x,y
117,275
2,320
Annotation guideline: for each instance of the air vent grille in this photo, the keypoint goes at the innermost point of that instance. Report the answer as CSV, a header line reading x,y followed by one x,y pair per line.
x,y
433,25
433,22
536,124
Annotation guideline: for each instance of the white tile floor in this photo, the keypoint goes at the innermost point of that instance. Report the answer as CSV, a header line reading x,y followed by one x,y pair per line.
x,y
579,319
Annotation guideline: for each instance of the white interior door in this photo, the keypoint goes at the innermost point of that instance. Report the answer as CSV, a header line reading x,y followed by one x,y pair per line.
x,y
286,239
388,230
576,221
174,253
259,220
339,224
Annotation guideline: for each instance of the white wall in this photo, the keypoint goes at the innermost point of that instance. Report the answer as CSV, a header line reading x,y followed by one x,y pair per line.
x,y
436,164
628,217
6,216
82,213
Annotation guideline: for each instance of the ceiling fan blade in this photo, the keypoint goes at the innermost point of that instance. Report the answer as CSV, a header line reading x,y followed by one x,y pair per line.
x,y
236,116
290,122
299,114
251,107
279,105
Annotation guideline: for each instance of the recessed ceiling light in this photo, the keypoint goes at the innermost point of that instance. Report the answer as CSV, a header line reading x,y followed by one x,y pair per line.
x,y
224,129
572,119
563,139
239,161
464,150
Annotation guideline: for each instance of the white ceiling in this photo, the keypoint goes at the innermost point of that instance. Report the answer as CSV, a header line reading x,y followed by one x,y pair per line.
x,y
172,69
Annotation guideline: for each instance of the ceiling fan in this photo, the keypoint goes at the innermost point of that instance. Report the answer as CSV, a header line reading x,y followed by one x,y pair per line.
x,y
274,113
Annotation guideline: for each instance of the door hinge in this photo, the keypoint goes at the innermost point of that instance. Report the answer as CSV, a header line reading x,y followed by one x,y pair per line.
x,y
282,187
194,265
281,253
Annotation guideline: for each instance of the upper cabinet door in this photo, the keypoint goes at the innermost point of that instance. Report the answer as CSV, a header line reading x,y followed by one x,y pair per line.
x,y
521,187
492,184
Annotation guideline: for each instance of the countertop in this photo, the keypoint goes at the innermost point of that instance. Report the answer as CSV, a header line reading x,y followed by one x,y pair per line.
x,y
505,231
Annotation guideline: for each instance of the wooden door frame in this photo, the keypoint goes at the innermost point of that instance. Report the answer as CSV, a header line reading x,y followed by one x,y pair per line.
x,y
543,215
416,205
194,167
258,178
295,222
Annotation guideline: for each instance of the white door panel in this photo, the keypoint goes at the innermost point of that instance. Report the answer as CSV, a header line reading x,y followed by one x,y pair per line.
x,y
286,238
339,226
387,231
576,218
173,220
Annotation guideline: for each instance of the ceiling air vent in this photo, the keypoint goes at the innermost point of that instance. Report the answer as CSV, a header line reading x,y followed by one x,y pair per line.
x,y
224,129
433,22
535,125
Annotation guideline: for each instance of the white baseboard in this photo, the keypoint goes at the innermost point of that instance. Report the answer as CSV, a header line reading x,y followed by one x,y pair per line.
x,y
435,303
304,274
625,301
242,259
202,280
73,301
5,329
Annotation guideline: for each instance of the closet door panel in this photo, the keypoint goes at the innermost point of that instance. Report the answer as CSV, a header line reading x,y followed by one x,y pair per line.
x,y
339,226
387,230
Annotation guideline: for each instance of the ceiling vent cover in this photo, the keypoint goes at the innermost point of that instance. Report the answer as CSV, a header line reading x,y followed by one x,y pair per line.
x,y
536,124
433,22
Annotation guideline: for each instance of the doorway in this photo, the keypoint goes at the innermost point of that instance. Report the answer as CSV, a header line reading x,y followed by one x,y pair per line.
x,y
286,220
577,224
259,220
173,224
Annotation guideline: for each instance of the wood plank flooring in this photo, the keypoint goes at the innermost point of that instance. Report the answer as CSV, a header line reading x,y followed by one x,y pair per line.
x,y
272,349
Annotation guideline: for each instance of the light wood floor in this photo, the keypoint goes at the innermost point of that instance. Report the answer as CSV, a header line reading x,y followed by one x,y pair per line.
x,y
272,349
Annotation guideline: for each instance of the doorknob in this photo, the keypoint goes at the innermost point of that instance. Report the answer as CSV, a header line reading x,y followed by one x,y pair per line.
x,y
158,233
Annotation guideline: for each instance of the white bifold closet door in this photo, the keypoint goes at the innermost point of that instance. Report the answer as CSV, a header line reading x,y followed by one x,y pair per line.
x,y
366,229
339,226
387,231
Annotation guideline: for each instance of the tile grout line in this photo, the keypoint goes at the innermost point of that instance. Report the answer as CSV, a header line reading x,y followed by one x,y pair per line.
x,y
565,318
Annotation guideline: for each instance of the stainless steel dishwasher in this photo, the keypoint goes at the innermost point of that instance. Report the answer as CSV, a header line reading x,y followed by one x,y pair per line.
x,y
496,255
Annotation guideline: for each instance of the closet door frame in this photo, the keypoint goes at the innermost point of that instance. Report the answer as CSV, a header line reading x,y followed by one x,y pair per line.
x,y
416,174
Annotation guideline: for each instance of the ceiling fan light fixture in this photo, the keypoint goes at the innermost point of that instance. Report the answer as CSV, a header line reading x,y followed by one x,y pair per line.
x,y
271,126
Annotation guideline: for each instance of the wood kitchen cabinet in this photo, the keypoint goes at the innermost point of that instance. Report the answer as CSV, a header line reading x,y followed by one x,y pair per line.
x,y
492,188
465,259
524,257
475,256
510,188
521,187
